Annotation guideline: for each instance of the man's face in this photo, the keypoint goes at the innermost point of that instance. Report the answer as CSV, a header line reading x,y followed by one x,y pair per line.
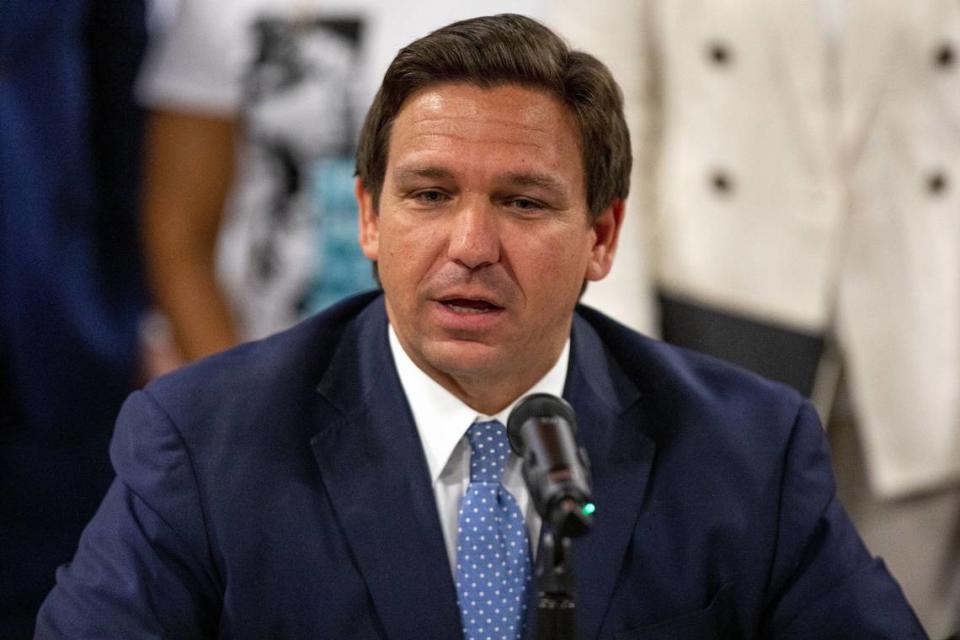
x,y
482,236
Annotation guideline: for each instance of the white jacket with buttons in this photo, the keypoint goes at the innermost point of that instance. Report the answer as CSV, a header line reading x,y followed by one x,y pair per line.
x,y
799,164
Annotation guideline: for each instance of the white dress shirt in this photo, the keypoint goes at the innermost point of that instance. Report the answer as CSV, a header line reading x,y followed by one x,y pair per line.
x,y
442,421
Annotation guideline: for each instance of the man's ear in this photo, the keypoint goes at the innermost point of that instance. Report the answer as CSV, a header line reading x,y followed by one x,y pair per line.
x,y
369,222
606,229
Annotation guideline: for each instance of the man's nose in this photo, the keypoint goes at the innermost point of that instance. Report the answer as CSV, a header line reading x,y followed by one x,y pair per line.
x,y
475,237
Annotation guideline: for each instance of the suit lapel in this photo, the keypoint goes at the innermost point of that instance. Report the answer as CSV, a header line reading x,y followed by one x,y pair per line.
x,y
375,474
611,430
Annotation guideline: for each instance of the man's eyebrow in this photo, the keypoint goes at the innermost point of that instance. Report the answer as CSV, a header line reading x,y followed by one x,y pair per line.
x,y
406,174
536,179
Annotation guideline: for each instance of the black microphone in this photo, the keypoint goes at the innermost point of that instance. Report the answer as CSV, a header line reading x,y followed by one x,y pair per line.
x,y
556,471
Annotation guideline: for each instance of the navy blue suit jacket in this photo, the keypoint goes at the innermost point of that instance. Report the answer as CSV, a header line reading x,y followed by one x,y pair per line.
x,y
280,490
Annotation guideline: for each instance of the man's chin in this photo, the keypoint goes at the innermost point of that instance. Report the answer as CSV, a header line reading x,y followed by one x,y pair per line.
x,y
466,358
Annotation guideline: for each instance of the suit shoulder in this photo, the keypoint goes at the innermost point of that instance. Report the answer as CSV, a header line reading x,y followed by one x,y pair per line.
x,y
259,375
685,384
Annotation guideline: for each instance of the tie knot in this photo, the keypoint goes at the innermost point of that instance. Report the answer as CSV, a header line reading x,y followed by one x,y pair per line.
x,y
489,450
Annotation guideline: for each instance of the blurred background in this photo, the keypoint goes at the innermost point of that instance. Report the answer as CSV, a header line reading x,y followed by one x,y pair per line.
x,y
176,176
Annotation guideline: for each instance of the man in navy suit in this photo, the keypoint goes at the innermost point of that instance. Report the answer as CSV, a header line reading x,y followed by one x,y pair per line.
x,y
308,485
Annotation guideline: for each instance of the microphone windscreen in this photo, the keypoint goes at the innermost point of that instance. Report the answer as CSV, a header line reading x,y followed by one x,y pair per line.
x,y
537,405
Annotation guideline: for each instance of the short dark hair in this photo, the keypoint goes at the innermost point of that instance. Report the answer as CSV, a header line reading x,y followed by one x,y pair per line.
x,y
508,49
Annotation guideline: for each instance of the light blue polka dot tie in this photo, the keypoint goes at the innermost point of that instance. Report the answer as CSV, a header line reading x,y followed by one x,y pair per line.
x,y
493,552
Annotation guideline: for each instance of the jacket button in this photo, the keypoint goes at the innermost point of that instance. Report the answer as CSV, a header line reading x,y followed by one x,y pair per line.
x,y
937,183
719,54
944,56
721,182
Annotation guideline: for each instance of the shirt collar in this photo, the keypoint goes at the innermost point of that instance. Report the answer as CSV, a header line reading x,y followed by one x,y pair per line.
x,y
442,418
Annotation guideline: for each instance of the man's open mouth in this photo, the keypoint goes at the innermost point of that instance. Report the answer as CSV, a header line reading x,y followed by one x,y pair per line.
x,y
470,305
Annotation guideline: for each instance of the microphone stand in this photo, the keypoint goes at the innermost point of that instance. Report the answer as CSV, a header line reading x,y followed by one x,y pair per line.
x,y
556,608
556,472
556,604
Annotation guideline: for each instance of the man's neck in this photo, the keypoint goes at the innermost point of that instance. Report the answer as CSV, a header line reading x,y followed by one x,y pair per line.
x,y
488,392
489,399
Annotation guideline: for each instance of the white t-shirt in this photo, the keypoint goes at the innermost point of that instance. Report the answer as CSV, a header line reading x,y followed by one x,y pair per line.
x,y
298,75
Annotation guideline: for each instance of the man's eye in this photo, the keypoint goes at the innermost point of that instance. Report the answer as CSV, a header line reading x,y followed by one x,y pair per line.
x,y
525,204
431,196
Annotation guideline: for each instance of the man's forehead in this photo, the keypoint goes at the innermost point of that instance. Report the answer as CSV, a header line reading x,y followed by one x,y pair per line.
x,y
499,110
435,95
526,134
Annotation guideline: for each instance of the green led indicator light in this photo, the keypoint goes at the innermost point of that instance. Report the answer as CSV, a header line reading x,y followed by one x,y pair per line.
x,y
588,509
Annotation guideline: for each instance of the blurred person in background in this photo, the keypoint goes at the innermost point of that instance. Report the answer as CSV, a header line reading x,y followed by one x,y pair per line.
x,y
800,163
70,285
255,108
